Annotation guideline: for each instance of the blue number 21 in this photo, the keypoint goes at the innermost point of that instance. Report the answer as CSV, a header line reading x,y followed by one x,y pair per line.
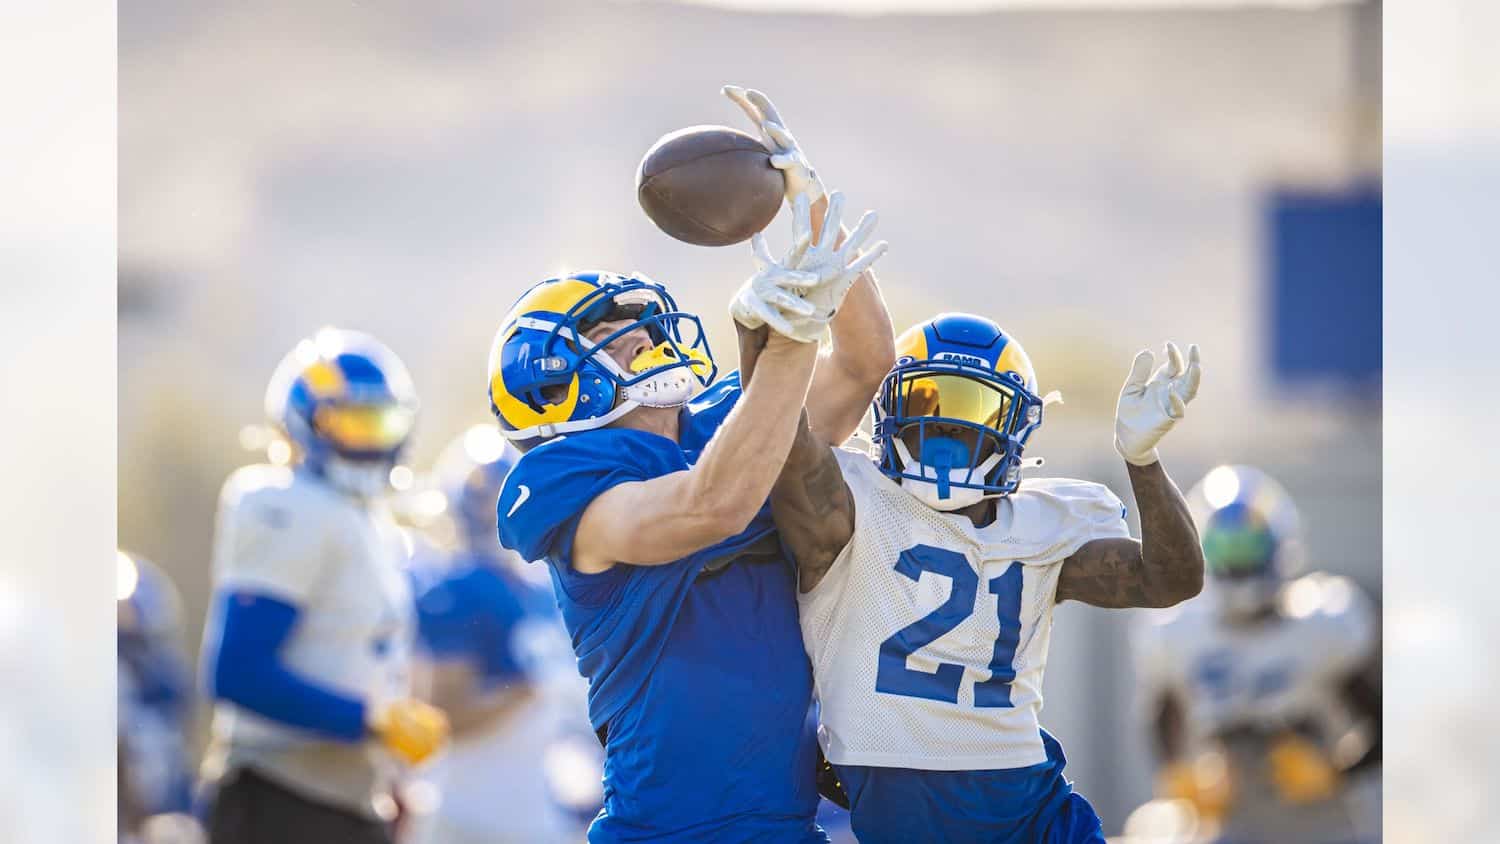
x,y
893,677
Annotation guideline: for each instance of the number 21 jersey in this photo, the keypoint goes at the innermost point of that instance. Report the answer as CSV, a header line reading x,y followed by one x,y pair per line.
x,y
928,636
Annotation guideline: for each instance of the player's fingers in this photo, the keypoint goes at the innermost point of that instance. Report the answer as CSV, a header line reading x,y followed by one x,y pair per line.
x,y
1194,374
798,280
779,134
772,317
798,251
763,103
861,233
1140,369
832,220
1174,360
761,251
737,95
790,304
863,262
1176,407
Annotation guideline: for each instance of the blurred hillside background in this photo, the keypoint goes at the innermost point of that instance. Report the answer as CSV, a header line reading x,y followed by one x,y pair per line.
x,y
1097,180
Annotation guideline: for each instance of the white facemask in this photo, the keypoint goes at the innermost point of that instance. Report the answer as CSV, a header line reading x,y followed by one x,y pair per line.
x,y
1245,599
359,478
926,491
672,388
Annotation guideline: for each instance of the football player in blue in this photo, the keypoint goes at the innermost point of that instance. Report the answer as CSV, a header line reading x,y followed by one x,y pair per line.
x,y
927,574
309,640
156,699
643,485
498,662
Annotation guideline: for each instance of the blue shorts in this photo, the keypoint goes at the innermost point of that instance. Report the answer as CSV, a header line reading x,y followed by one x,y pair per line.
x,y
1034,805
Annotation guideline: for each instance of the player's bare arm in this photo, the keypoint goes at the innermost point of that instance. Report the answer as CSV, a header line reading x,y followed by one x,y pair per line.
x,y
721,493
863,346
1163,568
725,488
1166,565
811,503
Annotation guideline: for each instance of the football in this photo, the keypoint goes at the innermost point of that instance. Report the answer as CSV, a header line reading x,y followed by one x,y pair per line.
x,y
709,185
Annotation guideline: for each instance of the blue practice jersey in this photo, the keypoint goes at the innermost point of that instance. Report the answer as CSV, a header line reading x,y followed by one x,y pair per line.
x,y
699,676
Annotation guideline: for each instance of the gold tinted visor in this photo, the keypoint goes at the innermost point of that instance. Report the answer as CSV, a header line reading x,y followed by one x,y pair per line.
x,y
364,427
956,397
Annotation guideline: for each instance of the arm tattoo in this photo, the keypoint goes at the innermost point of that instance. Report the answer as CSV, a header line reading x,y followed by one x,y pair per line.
x,y
1162,569
812,506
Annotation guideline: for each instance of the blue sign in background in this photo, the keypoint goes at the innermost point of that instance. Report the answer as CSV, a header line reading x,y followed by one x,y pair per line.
x,y
1324,264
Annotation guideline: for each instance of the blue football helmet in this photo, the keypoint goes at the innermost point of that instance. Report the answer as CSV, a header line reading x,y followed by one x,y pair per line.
x,y
469,472
1249,528
546,378
347,404
953,416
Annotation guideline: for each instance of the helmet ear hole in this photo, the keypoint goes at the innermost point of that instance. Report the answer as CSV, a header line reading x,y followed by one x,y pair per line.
x,y
549,394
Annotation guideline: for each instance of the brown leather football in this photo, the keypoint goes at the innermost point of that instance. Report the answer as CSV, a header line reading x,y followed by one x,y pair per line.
x,y
709,185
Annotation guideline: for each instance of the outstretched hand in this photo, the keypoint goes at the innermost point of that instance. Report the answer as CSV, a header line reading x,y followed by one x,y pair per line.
x,y
798,295
1151,402
786,154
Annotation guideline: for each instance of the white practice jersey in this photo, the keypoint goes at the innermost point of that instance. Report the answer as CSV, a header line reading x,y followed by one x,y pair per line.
x,y
1241,686
340,561
1285,671
928,636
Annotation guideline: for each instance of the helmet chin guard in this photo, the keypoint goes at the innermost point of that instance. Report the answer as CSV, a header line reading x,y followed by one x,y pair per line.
x,y
934,485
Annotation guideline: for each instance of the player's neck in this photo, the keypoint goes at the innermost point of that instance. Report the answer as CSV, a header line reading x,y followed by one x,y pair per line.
x,y
662,421
981,513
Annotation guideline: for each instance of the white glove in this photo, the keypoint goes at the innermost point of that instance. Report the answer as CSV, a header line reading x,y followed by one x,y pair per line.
x,y
1152,402
798,295
772,293
786,155
836,268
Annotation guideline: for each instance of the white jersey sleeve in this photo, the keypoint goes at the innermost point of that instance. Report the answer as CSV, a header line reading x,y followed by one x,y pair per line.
x,y
271,534
928,636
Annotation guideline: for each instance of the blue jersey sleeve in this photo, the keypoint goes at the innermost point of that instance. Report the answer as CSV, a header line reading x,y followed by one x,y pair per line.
x,y
551,485
247,670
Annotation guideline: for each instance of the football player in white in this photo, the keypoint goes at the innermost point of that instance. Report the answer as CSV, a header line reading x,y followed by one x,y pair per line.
x,y
1264,696
927,578
309,638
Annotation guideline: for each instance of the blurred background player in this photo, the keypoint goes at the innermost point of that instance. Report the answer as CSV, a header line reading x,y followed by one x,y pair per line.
x,y
927,578
1264,694
308,644
524,765
155,703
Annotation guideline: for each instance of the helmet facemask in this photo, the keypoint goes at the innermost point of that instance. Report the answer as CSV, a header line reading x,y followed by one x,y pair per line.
x,y
952,433
565,365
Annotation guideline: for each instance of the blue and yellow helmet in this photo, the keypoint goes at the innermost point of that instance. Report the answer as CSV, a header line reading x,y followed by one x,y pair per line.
x,y
957,373
1247,523
546,378
343,393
